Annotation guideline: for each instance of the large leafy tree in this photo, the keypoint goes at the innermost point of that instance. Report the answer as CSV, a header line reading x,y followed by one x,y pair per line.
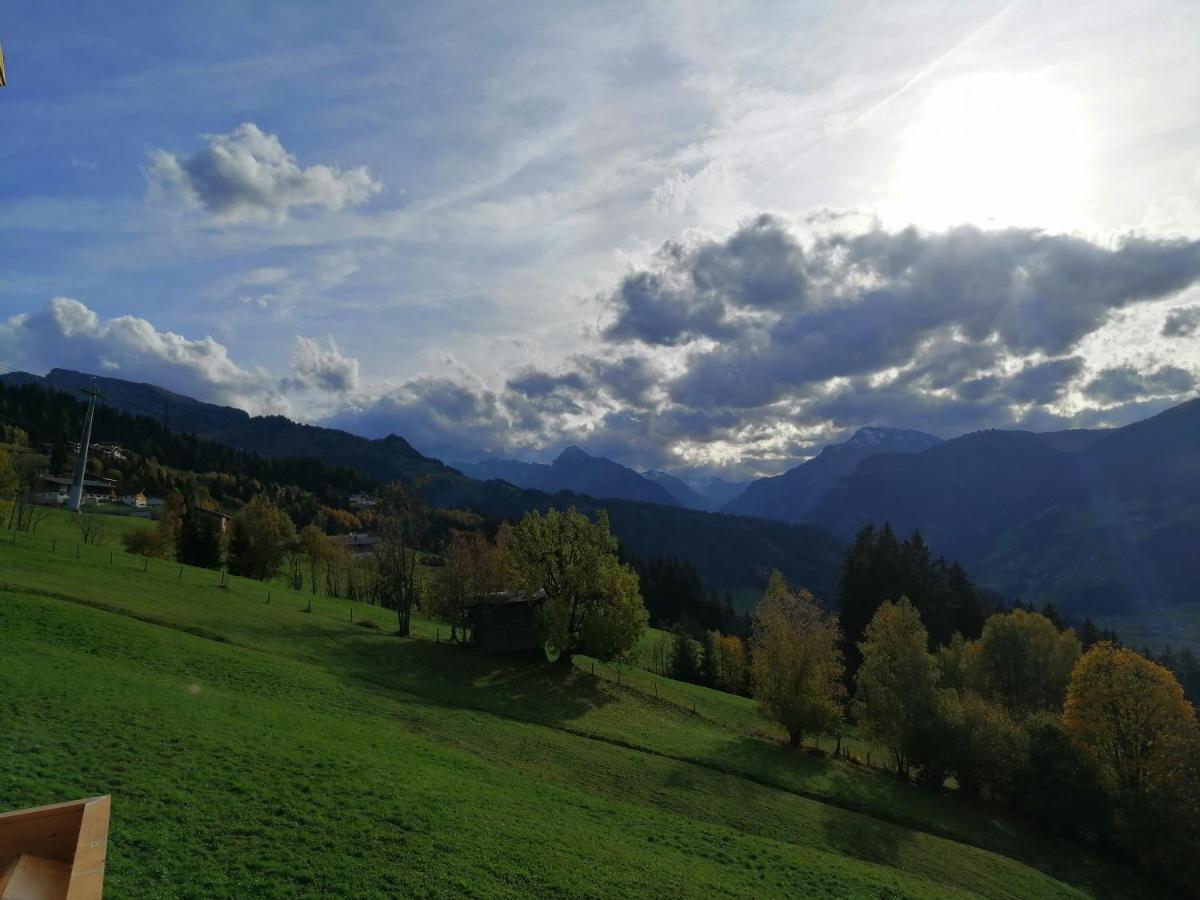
x,y
1023,662
1131,717
259,537
896,697
589,601
797,666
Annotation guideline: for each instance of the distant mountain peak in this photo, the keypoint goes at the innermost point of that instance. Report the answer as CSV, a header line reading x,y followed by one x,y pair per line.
x,y
788,497
874,435
573,454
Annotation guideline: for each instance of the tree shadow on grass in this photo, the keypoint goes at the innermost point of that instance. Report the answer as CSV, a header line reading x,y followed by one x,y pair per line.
x,y
873,815
851,808
455,675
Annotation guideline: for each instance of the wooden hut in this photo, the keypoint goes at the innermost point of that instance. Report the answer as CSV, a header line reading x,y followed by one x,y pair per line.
x,y
504,623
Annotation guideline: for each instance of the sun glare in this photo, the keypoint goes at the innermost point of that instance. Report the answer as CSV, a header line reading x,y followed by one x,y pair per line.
x,y
994,150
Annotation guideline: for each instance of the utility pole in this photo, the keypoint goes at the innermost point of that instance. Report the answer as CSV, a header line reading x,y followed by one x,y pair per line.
x,y
75,498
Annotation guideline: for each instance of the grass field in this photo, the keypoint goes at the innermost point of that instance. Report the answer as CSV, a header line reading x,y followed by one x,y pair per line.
x,y
255,749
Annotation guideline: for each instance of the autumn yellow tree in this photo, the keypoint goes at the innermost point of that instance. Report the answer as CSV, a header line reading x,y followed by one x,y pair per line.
x,y
588,600
797,666
731,667
1131,717
473,568
896,696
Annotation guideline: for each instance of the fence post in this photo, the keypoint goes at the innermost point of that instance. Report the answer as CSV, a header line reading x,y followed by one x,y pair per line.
x,y
146,564
181,573
352,615
77,551
110,557
268,596
53,544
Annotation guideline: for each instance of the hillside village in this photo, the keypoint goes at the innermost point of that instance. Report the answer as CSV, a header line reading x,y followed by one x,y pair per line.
x,y
818,673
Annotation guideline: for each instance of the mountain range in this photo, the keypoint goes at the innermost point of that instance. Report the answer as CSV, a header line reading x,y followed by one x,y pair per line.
x,y
1092,520
791,496
729,552
575,471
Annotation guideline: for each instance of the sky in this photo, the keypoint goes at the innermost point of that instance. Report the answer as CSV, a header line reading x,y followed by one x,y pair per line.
x,y
706,238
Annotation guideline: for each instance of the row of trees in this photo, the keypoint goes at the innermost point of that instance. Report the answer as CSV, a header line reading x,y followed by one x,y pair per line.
x,y
1101,744
675,595
714,659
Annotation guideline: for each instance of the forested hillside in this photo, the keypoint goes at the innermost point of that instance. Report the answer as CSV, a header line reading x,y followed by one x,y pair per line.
x,y
728,552
1087,520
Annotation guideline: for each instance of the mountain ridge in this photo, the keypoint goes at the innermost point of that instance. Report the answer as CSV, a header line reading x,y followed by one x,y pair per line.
x,y
790,496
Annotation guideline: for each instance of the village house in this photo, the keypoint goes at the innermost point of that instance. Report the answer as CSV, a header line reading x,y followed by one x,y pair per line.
x,y
53,490
359,543
138,500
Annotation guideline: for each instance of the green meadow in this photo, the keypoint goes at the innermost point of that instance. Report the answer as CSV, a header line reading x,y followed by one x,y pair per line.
x,y
256,748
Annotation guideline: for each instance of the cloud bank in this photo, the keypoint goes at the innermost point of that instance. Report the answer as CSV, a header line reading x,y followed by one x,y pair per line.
x,y
739,354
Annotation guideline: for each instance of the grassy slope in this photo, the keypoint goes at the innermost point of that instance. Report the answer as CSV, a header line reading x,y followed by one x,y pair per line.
x,y
254,748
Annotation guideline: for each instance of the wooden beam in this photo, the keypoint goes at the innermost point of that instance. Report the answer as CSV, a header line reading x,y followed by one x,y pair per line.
x,y
74,834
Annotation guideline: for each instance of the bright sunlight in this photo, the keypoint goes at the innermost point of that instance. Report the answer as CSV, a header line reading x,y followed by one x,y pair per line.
x,y
998,150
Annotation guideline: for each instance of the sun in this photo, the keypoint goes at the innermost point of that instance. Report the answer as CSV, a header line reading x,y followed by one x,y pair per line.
x,y
994,150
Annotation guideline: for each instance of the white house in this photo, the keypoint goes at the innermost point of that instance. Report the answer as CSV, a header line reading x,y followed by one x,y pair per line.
x,y
137,500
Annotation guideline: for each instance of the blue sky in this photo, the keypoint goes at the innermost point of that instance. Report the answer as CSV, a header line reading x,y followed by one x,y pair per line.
x,y
688,236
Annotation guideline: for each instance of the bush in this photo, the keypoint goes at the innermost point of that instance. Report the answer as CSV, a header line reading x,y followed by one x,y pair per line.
x,y
145,541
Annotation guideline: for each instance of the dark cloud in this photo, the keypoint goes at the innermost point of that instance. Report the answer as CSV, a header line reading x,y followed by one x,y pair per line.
x,y
439,416
653,310
630,379
907,328
1182,322
868,302
1124,384
696,292
1040,383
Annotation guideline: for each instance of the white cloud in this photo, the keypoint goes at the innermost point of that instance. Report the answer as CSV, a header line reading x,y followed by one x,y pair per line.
x,y
248,174
323,367
67,334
